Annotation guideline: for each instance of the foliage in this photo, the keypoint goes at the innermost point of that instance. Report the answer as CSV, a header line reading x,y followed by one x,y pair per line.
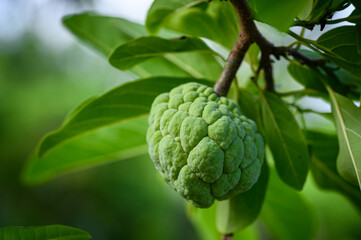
x,y
52,232
112,126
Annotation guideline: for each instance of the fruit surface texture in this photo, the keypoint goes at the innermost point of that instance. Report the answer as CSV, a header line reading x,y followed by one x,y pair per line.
x,y
202,145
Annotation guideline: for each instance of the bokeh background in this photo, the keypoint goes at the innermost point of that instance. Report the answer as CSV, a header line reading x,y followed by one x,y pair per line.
x,y
44,73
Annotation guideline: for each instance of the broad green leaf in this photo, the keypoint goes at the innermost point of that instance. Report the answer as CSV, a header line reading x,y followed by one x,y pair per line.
x,y
279,14
51,232
128,101
208,22
198,65
286,140
250,107
307,10
162,67
252,56
141,49
324,149
113,143
353,68
358,37
243,209
106,33
348,124
101,32
286,213
161,9
319,9
341,43
322,9
341,82
348,79
305,76
323,145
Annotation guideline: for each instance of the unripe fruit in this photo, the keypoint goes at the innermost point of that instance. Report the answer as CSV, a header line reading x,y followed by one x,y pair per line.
x,y
202,145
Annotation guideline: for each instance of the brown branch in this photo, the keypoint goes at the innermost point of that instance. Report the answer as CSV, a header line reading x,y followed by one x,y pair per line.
x,y
227,236
268,72
249,35
234,60
303,59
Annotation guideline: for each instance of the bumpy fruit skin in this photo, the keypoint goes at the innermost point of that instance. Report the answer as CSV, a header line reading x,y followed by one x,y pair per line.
x,y
202,146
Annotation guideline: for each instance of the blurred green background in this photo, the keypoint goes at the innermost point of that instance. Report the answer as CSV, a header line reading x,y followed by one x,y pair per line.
x,y
44,73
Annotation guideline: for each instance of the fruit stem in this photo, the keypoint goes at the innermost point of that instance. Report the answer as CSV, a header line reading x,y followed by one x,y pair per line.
x,y
227,236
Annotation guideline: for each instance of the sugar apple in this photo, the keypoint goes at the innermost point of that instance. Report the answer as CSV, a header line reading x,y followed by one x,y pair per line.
x,y
202,146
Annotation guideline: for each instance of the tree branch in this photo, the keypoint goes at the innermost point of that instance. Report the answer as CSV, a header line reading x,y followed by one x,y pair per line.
x,y
303,59
310,25
227,236
249,35
234,60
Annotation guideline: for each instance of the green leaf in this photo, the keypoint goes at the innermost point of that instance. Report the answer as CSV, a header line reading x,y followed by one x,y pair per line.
x,y
198,65
348,124
242,210
106,33
279,14
323,9
340,80
324,149
128,101
252,56
341,43
93,149
358,38
250,107
103,33
307,10
141,49
286,213
51,232
354,69
305,76
161,9
208,22
286,140
319,9
347,78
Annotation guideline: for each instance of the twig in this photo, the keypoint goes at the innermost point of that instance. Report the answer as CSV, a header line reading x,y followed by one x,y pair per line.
x,y
227,236
303,59
301,92
310,25
234,60
249,34
268,72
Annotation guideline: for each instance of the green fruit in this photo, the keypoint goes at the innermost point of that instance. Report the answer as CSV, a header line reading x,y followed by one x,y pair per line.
x,y
202,146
